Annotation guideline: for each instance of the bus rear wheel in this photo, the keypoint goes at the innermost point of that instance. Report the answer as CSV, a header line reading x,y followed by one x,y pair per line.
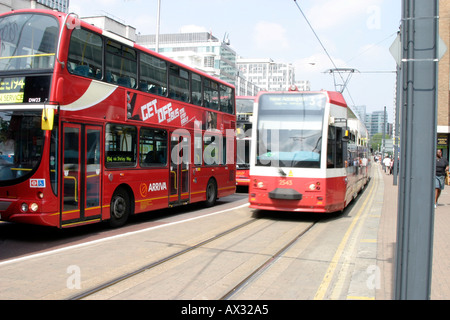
x,y
120,208
211,193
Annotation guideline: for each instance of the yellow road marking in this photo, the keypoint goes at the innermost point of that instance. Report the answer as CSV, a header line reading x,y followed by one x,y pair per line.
x,y
369,240
323,288
359,298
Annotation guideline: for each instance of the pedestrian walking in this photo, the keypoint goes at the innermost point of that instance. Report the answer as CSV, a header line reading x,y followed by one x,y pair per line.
x,y
387,164
441,171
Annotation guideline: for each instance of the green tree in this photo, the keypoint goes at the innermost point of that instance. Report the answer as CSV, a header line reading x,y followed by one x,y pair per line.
x,y
376,141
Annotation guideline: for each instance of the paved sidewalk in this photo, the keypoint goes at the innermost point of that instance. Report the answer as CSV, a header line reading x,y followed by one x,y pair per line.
x,y
387,239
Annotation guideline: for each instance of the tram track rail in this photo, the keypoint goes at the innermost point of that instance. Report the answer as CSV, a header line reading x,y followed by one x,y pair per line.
x,y
269,262
252,275
154,264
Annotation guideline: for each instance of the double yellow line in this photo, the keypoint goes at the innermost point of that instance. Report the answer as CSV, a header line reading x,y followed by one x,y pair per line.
x,y
323,288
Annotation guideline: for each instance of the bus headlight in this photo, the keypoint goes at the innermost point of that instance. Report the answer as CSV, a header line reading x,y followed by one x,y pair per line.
x,y
24,207
34,207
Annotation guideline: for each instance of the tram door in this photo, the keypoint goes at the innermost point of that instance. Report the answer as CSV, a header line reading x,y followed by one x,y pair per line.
x,y
81,173
179,169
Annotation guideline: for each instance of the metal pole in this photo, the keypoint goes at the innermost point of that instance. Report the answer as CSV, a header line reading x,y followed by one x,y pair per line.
x,y
418,146
397,124
157,26
383,140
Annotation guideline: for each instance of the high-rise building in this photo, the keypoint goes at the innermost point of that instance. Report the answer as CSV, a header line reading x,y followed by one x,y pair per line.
x,y
8,5
267,74
200,50
375,122
360,111
60,5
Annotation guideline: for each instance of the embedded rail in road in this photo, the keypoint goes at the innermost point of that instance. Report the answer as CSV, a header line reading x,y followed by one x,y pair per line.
x,y
320,264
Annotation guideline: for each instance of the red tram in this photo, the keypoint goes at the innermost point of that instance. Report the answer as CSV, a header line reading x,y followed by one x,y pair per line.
x,y
310,155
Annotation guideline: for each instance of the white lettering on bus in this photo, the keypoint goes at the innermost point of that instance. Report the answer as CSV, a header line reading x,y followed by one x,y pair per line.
x,y
147,110
164,113
157,186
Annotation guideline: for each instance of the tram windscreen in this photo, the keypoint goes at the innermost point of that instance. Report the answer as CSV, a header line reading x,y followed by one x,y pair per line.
x,y
290,130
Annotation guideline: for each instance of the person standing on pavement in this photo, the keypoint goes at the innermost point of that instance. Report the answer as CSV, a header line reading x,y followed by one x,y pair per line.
x,y
441,171
387,164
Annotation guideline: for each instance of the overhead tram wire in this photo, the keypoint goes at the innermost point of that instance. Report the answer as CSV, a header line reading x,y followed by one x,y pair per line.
x,y
324,49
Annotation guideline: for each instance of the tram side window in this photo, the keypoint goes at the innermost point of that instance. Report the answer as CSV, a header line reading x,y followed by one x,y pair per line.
x,y
153,77
335,149
152,147
178,83
121,65
196,89
331,147
85,54
340,145
210,94
120,145
226,99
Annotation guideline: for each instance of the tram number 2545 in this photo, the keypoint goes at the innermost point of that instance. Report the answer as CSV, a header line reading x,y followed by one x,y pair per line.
x,y
285,183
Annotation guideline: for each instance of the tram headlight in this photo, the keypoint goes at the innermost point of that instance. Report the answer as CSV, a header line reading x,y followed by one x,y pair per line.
x,y
258,184
314,186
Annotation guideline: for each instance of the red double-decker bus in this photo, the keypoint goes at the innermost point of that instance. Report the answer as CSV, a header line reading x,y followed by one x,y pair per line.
x,y
94,127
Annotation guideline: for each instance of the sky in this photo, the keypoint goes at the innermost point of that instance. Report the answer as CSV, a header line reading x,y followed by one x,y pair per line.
x,y
356,34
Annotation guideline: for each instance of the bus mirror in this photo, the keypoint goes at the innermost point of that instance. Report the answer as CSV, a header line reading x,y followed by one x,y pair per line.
x,y
48,115
346,136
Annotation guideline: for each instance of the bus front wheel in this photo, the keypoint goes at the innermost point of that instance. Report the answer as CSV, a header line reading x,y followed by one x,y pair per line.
x,y
120,208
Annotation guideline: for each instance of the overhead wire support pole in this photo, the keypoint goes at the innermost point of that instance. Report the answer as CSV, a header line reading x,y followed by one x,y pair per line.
x,y
340,71
415,223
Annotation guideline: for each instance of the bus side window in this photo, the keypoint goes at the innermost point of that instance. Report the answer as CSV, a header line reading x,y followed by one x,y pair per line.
x,y
210,94
196,89
120,146
121,65
152,147
153,75
212,148
226,99
85,54
178,83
